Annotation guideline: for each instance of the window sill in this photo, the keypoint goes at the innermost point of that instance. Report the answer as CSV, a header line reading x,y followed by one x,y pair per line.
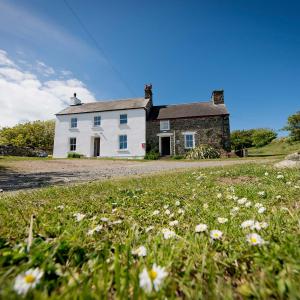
x,y
74,129
123,150
97,128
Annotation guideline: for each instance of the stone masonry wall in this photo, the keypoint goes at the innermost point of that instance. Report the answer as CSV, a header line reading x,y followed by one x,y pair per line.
x,y
212,130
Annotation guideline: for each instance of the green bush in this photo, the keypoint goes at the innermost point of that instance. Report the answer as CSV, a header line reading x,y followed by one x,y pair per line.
x,y
293,126
74,155
203,152
263,136
152,155
177,157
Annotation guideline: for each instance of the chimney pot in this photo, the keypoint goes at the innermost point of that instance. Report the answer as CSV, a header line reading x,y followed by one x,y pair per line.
x,y
218,97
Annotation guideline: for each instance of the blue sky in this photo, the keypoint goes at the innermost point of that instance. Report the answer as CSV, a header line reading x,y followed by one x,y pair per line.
x,y
184,48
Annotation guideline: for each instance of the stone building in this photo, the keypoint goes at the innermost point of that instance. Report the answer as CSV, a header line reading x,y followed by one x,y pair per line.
x,y
176,129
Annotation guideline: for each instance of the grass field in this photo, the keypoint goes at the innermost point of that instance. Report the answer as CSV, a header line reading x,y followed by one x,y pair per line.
x,y
85,237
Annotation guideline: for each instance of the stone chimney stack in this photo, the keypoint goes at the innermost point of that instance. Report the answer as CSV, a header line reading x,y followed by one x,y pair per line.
x,y
148,92
75,100
217,97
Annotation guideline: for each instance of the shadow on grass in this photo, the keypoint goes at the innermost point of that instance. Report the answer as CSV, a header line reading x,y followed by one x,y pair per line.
x,y
13,181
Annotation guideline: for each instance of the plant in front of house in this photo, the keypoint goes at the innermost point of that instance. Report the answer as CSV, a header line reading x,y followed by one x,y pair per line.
x,y
203,152
74,155
152,155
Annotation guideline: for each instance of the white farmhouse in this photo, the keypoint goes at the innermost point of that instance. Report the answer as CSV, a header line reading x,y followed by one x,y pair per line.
x,y
103,129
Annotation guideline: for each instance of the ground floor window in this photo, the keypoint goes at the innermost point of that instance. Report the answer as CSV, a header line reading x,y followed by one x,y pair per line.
x,y
123,142
189,141
72,144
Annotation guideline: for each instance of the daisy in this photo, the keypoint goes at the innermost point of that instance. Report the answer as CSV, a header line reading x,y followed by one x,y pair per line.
x,y
222,220
288,182
116,222
168,233
280,176
255,239
104,219
266,174
242,201
248,204
61,207
219,195
261,193
28,280
235,197
167,212
261,210
247,223
264,224
177,203
278,197
140,251
181,211
79,217
152,279
258,205
234,210
155,213
256,226
200,228
216,234
174,223
205,206
95,229
149,228
166,206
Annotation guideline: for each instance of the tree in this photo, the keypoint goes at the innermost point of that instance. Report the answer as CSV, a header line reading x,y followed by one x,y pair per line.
x,y
241,139
293,126
37,135
263,136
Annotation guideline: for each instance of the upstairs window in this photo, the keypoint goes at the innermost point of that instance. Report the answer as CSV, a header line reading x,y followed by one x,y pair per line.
x,y
123,142
123,119
189,141
97,121
73,122
72,144
165,125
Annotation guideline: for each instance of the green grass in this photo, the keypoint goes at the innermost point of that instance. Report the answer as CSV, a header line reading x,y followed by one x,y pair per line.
x,y
79,266
278,147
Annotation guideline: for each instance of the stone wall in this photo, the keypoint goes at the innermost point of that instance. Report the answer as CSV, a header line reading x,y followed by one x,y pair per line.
x,y
20,151
212,130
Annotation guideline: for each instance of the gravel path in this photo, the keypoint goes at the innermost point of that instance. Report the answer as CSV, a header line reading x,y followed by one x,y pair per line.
x,y
17,175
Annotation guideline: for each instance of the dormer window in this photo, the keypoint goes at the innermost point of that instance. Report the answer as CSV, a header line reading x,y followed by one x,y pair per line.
x,y
97,121
73,122
123,119
165,125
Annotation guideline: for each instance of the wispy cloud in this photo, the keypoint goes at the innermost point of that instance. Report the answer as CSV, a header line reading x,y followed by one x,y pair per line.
x,y
25,96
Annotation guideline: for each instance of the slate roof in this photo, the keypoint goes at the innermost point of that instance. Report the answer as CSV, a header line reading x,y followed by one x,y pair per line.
x,y
197,109
105,106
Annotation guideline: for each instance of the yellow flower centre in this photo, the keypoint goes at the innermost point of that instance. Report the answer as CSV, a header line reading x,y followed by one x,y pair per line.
x,y
152,274
216,235
29,278
253,240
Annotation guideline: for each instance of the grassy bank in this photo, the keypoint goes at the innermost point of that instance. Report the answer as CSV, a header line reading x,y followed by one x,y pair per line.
x,y
81,261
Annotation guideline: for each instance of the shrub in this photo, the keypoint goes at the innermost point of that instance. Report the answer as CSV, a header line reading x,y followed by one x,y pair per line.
x,y
263,136
177,157
152,155
203,152
241,139
293,126
74,155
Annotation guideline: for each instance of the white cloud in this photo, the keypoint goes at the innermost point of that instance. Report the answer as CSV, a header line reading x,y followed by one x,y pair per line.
x,y
42,68
24,96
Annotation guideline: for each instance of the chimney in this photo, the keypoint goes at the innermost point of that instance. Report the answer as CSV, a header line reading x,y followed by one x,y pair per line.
x,y
148,92
217,97
75,100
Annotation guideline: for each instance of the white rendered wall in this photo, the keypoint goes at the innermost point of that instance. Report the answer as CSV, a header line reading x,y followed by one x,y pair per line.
x,y
109,132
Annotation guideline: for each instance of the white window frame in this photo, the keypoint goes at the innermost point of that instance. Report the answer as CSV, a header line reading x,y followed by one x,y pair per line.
x,y
123,149
122,119
185,134
162,124
71,123
72,144
97,125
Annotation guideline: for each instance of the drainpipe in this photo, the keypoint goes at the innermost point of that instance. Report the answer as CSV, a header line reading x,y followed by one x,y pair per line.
x,y
174,143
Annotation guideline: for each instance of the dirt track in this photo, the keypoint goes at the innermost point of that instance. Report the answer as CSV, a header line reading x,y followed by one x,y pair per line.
x,y
16,175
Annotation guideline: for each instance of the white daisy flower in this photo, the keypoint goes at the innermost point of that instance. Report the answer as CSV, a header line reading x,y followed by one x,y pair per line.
x,y
61,207
95,229
79,217
200,228
222,220
205,206
155,213
177,203
261,210
279,176
288,182
174,223
248,204
149,228
104,219
219,195
167,212
235,198
262,193
28,280
254,239
140,251
152,279
247,223
181,211
256,226
116,222
168,233
266,174
234,211
166,206
242,201
258,205
216,234
114,210
278,197
264,224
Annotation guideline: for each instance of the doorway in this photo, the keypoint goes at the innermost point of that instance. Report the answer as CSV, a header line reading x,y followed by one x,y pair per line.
x,y
165,145
96,146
